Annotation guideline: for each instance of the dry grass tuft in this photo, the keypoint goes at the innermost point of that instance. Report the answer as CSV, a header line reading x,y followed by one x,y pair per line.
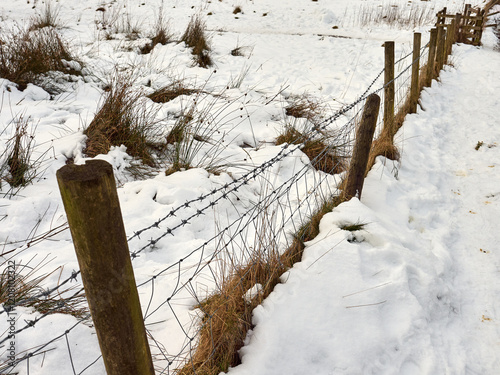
x,y
123,118
321,148
49,17
190,144
382,147
195,38
25,55
305,106
18,167
237,10
20,283
323,156
161,34
171,91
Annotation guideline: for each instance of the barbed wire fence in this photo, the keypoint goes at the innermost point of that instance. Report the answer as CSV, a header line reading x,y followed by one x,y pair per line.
x,y
172,324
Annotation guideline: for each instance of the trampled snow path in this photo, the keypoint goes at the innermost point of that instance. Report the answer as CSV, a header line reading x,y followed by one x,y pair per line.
x,y
417,290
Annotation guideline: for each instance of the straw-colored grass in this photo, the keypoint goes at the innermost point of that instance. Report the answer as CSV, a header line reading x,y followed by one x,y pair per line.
x,y
323,155
25,55
123,119
22,284
195,38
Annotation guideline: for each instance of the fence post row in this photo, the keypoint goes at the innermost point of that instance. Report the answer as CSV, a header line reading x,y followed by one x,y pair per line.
x,y
361,151
95,220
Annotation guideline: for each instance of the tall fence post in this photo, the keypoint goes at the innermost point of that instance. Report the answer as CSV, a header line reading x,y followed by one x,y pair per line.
x,y
458,21
450,39
440,49
389,88
478,28
431,61
415,73
95,220
364,137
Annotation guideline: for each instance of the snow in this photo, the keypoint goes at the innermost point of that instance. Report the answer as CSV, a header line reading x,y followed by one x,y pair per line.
x,y
414,291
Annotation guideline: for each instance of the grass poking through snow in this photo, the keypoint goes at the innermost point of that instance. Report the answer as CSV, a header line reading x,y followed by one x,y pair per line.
x,y
195,38
124,118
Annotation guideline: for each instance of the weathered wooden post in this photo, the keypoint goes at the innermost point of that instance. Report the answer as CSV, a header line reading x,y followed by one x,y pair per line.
x,y
389,89
431,61
450,39
458,21
440,49
441,17
95,220
364,137
415,73
467,12
478,28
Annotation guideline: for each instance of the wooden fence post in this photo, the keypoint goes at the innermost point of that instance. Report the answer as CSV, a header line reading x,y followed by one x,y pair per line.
x,y
364,137
440,49
95,220
431,61
478,28
415,73
441,17
389,89
450,39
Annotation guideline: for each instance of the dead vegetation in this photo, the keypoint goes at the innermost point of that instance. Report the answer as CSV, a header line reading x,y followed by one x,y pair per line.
x,y
392,15
323,155
171,91
195,38
227,313
161,33
18,166
25,55
21,284
48,17
305,106
124,119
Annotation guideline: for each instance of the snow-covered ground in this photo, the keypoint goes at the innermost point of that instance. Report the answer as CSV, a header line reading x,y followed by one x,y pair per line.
x,y
415,291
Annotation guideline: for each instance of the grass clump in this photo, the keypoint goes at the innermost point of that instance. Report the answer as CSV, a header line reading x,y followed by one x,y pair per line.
x,y
353,227
191,142
323,155
319,147
49,17
26,55
161,34
195,38
124,119
171,91
304,106
18,167
21,286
